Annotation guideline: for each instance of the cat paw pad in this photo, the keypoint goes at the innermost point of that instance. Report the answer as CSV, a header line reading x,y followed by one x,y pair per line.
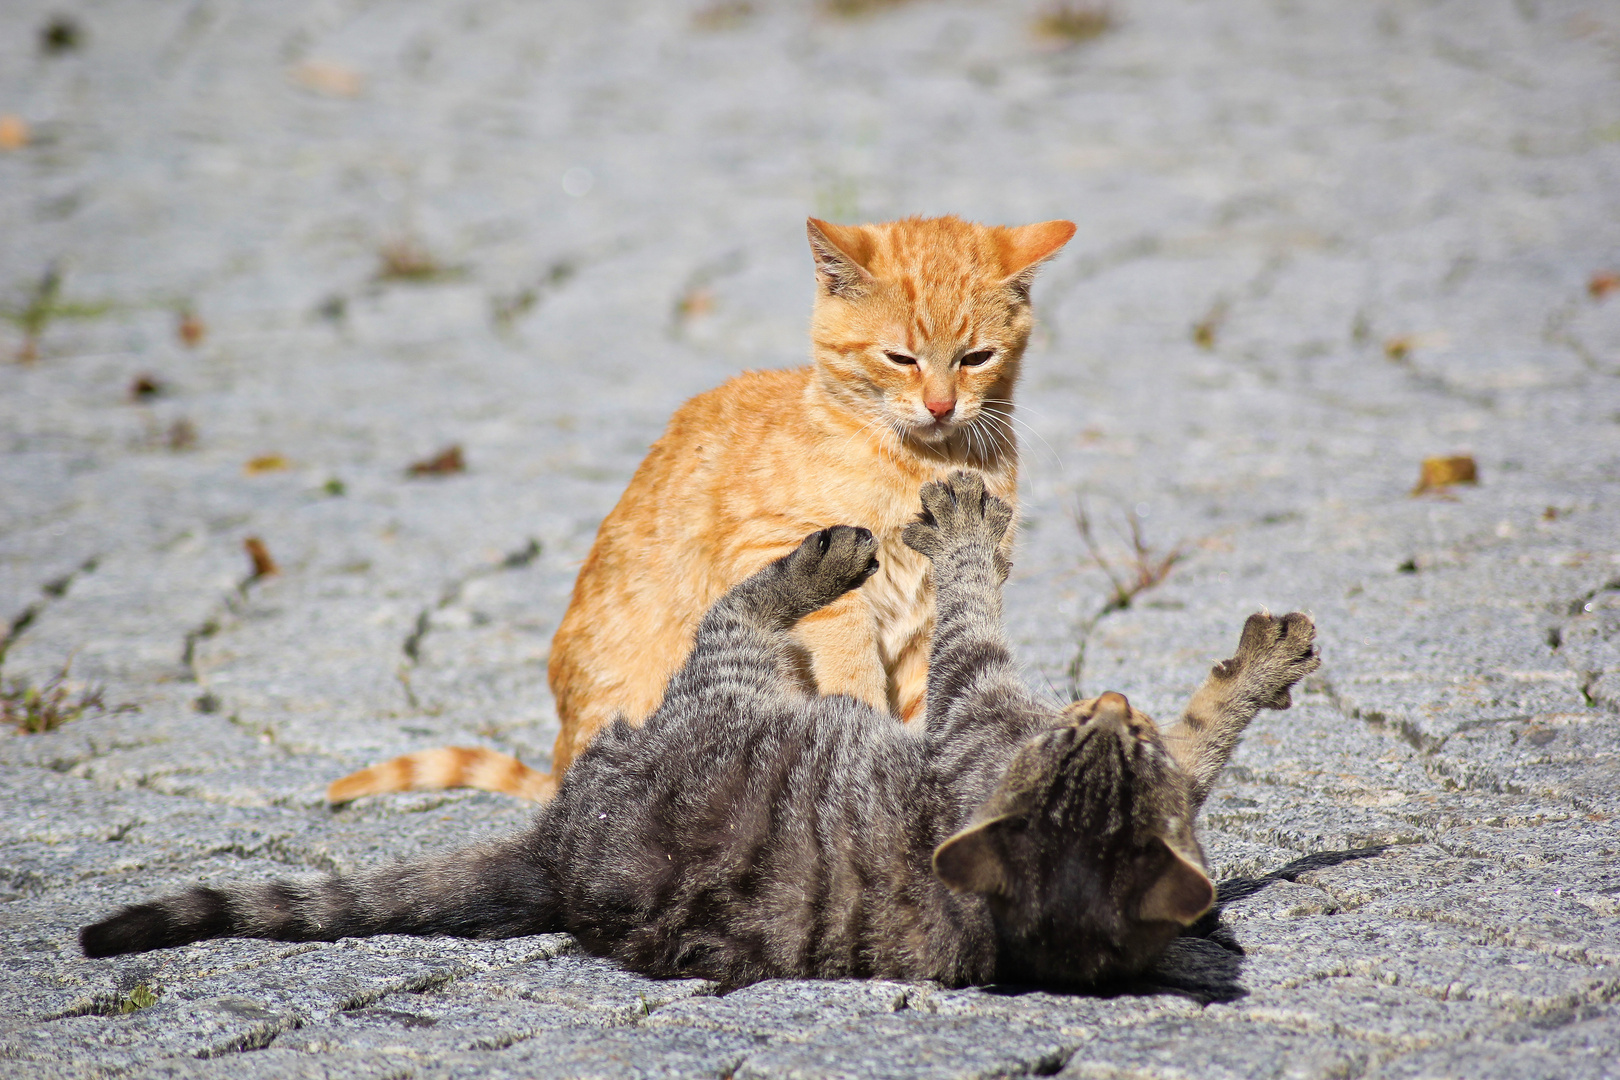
x,y
1273,654
957,509
833,561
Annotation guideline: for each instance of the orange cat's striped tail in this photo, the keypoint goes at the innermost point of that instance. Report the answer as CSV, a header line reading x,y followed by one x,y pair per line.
x,y
446,767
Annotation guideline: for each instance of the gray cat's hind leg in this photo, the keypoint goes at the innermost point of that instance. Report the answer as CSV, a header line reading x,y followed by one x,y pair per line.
x,y
1273,654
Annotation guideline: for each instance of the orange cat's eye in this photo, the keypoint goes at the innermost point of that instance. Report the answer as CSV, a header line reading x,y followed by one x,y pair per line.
x,y
974,359
900,358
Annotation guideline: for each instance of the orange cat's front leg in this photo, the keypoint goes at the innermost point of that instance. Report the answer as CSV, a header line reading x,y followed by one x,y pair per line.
x,y
842,641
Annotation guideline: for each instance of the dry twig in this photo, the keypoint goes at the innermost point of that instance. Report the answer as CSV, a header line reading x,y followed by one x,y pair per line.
x,y
1141,570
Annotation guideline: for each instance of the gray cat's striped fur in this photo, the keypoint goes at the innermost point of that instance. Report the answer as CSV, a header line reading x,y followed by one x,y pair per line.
x,y
751,830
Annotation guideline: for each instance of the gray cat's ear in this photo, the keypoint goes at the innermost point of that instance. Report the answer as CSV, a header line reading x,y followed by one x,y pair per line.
x,y
839,251
1181,894
972,860
1026,247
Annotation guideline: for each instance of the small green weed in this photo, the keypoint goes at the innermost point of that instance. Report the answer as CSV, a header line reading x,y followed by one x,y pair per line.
x,y
1144,569
43,307
33,710
855,9
141,997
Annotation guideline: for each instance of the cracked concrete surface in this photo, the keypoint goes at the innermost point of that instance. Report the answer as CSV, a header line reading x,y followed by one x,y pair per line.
x,y
1318,243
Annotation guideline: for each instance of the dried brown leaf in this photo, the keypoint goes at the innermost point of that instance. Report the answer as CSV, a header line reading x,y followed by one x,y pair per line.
x,y
697,302
1439,473
263,564
1205,329
182,435
144,387
191,329
329,78
723,15
14,132
854,9
407,260
1073,23
267,463
447,461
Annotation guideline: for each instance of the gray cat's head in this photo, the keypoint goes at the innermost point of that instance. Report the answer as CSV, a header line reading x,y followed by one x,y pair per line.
x,y
1086,849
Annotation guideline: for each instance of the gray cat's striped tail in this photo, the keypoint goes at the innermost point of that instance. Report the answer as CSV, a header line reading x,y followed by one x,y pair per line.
x,y
491,891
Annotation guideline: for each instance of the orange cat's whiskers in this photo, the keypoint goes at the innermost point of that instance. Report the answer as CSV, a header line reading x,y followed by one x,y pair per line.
x,y
1008,417
891,447
970,453
991,438
1008,402
994,429
977,441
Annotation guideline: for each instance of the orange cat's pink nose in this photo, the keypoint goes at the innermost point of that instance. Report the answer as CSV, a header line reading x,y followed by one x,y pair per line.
x,y
940,409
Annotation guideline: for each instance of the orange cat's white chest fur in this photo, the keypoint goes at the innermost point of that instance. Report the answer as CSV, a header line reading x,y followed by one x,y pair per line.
x,y
904,616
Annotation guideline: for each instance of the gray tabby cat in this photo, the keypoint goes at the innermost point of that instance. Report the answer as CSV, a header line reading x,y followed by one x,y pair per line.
x,y
750,830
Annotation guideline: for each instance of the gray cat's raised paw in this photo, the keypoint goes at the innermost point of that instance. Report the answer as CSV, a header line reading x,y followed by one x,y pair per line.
x,y
833,561
955,510
1273,654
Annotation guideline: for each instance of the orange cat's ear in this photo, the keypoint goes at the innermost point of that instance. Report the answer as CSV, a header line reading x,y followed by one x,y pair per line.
x,y
1025,247
840,252
1182,893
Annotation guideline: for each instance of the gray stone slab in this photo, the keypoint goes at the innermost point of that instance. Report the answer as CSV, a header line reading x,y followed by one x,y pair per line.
x,y
424,1026
1442,960
1393,1018
586,983
615,1054
916,1045
786,1010
279,1064
1079,1015
1577,1043
1183,1048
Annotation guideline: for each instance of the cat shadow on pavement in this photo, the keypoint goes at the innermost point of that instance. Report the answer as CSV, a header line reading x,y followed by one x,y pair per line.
x,y
1205,962
1234,889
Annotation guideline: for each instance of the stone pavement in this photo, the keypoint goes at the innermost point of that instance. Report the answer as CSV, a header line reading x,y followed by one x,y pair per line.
x,y
1319,242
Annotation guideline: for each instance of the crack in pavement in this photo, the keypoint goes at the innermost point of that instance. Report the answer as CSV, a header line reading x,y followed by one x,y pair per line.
x,y
51,591
450,594
514,560
1458,772
1556,331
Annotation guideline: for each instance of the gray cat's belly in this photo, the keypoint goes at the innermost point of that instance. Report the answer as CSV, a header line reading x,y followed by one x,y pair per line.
x,y
792,853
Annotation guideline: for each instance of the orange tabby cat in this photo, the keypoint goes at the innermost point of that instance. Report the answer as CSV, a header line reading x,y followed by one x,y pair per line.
x,y
917,333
